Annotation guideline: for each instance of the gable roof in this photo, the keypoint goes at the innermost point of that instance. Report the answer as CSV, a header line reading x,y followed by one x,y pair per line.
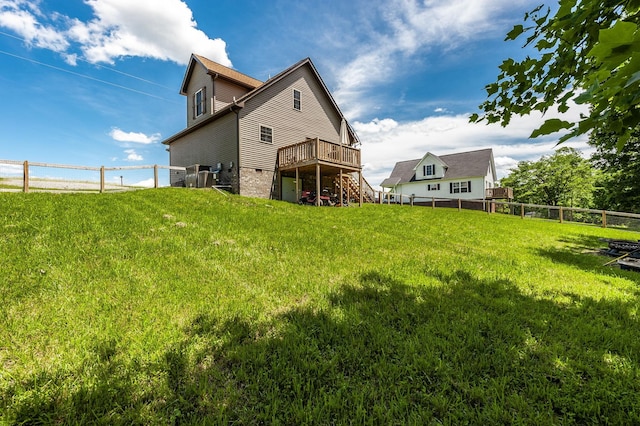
x,y
239,103
460,165
216,69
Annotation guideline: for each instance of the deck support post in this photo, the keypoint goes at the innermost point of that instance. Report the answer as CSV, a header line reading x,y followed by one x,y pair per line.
x,y
318,184
341,195
297,186
360,183
279,182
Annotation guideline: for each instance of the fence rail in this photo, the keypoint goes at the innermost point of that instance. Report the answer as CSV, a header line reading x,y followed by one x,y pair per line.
x,y
605,218
18,176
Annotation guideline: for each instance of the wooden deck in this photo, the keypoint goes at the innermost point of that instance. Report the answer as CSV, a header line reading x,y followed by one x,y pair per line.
x,y
316,160
317,151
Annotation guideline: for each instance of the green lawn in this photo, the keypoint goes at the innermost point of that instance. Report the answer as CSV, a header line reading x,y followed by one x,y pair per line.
x,y
184,306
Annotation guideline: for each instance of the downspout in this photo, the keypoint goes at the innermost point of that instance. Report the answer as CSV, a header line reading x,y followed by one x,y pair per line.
x,y
236,109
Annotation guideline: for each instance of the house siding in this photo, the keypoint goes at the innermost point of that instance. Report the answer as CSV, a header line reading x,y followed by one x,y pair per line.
x,y
274,108
225,91
419,189
199,79
210,145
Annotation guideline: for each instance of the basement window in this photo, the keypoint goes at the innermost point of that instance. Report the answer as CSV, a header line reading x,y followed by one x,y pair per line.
x,y
266,134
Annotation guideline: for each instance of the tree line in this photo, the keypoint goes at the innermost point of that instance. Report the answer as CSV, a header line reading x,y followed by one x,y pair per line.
x,y
608,180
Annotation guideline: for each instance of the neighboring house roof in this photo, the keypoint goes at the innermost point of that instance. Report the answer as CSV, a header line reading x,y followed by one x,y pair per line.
x,y
239,103
214,68
460,165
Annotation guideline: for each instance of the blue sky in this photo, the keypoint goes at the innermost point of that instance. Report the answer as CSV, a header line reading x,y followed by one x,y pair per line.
x,y
96,82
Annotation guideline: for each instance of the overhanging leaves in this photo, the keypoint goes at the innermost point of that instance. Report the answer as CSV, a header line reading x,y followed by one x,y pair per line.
x,y
589,53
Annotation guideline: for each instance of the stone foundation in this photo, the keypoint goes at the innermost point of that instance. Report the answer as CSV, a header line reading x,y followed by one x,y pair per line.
x,y
259,184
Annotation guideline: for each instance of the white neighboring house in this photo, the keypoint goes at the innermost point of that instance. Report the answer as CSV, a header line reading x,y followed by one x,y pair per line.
x,y
465,175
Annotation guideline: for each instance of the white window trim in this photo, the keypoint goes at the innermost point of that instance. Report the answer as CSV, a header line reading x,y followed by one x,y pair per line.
x,y
299,100
202,105
260,126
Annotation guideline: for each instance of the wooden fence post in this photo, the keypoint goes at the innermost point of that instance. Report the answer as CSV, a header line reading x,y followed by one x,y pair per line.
x,y
560,214
411,199
521,211
155,176
25,177
433,202
604,218
459,204
101,179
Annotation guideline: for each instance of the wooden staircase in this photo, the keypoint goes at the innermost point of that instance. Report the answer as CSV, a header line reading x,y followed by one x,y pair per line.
x,y
351,188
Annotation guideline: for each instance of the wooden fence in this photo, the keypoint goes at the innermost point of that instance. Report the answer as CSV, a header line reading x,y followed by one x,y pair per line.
x,y
562,214
23,179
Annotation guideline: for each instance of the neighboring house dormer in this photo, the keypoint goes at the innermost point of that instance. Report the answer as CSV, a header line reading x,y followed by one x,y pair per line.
x,y
430,167
210,87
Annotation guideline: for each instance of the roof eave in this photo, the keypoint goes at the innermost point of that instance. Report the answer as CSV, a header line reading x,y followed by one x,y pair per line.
x,y
224,111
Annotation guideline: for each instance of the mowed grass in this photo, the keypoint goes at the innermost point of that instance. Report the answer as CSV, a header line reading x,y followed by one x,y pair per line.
x,y
177,306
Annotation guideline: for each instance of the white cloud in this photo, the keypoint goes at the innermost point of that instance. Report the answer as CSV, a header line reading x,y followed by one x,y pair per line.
x,y
121,136
11,170
20,17
147,183
412,27
132,155
158,29
447,134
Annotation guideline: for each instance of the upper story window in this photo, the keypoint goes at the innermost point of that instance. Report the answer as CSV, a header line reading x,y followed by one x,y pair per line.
x,y
433,187
429,169
200,102
266,134
297,100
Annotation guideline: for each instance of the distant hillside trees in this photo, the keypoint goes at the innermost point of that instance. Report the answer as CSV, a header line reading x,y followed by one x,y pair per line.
x,y
562,179
619,183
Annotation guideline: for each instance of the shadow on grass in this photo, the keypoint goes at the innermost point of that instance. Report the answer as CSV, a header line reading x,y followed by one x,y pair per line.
x,y
383,352
583,252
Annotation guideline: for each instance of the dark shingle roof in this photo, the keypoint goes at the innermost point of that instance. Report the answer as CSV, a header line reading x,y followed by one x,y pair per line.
x,y
460,165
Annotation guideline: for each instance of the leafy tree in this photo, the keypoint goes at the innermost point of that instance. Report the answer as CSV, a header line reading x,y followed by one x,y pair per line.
x,y
619,185
589,53
562,179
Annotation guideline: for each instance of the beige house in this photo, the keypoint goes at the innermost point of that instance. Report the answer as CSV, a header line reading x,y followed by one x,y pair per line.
x,y
270,139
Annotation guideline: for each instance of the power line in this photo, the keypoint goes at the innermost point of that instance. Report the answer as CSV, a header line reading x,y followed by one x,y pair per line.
x,y
86,76
98,65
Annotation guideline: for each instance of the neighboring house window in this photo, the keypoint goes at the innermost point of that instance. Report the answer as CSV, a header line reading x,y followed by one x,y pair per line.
x,y
199,102
460,187
266,134
297,100
429,169
433,187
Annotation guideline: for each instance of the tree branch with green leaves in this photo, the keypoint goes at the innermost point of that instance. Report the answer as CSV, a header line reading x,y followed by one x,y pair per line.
x,y
589,53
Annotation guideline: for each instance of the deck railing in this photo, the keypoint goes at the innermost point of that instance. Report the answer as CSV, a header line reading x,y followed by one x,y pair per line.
x,y
317,149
